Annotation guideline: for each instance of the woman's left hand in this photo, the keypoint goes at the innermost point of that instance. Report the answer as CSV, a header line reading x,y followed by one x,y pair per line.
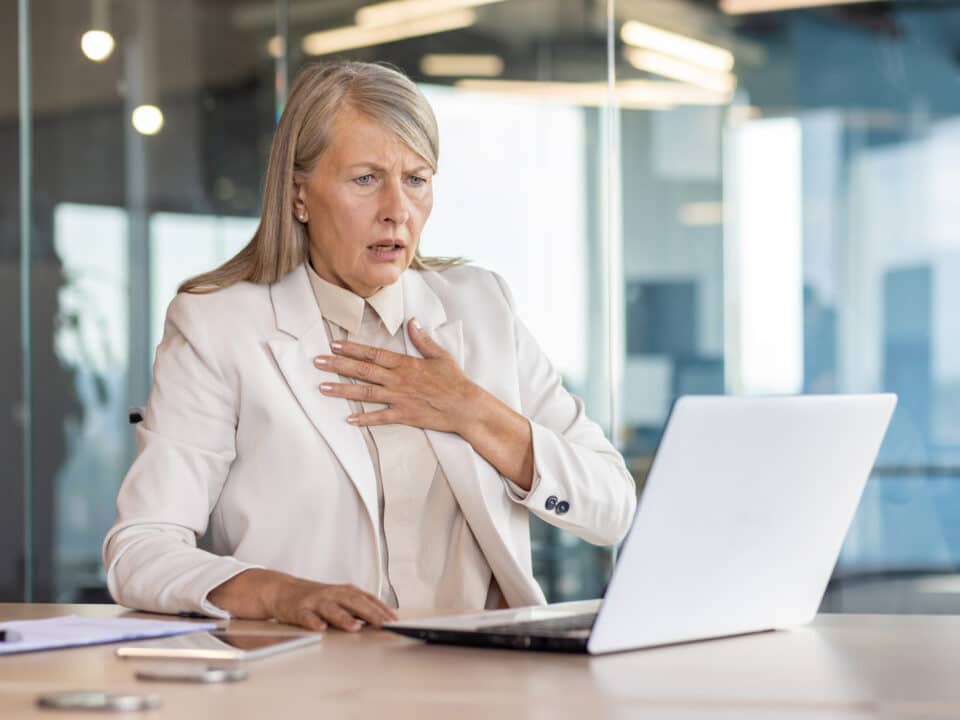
x,y
430,392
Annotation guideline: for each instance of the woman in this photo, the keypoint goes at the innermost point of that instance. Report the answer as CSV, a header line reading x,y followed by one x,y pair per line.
x,y
350,426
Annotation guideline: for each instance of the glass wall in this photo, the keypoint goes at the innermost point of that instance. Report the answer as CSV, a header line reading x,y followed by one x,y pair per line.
x,y
151,124
685,197
800,237
13,562
151,146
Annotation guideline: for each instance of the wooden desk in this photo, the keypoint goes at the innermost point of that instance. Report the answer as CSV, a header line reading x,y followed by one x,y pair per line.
x,y
843,667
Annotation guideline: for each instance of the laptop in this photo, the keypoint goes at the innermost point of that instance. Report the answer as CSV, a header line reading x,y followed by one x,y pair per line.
x,y
737,530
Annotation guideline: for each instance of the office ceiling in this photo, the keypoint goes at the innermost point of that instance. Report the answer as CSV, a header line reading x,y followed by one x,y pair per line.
x,y
194,44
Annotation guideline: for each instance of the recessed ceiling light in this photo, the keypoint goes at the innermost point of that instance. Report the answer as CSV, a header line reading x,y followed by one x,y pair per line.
x,y
147,119
97,45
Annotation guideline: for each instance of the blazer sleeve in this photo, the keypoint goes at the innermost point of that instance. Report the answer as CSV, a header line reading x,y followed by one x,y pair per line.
x,y
185,446
581,483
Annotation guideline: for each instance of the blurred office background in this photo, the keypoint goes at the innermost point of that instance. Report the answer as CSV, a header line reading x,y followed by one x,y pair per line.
x,y
687,196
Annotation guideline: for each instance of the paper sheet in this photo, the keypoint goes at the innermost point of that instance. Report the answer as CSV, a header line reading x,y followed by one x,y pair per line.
x,y
73,630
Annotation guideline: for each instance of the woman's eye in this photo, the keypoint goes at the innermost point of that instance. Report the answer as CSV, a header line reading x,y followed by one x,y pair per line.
x,y
364,179
416,180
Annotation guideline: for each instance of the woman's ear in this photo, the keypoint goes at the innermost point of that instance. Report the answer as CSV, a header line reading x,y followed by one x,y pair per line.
x,y
299,205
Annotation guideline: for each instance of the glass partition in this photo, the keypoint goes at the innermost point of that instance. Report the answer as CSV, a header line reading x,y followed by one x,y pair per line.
x,y
684,196
14,531
799,237
151,122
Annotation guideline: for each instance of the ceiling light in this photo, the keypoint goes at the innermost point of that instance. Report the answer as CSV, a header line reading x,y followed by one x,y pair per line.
x,y
399,11
276,46
97,45
630,94
593,94
437,65
147,119
347,38
666,66
699,53
738,7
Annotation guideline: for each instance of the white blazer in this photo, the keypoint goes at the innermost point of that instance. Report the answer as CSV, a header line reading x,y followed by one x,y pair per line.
x,y
238,446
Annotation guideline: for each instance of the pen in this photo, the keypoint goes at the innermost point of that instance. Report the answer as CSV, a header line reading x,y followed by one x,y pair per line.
x,y
9,636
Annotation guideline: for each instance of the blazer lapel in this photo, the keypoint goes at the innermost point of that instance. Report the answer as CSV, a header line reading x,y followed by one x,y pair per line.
x,y
421,302
305,337
475,483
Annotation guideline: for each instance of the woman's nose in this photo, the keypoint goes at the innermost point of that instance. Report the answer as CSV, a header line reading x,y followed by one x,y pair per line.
x,y
394,209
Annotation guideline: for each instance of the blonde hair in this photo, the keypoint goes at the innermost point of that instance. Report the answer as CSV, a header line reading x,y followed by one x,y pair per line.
x,y
320,90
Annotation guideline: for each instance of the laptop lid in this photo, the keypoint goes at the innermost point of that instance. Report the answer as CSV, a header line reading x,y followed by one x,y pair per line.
x,y
742,517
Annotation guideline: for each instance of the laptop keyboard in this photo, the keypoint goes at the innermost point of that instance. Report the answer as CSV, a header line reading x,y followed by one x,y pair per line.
x,y
550,626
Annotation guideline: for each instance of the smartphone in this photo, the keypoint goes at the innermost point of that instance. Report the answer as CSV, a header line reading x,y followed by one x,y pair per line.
x,y
190,673
219,645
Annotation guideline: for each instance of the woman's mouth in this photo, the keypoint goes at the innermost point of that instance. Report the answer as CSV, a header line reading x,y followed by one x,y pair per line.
x,y
386,251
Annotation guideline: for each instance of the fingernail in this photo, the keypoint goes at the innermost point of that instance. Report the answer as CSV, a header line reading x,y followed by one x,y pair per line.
x,y
352,420
336,345
320,361
417,325
326,387
355,626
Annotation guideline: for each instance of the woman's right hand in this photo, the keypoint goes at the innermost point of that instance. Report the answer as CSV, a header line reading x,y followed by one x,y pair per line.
x,y
266,594
316,605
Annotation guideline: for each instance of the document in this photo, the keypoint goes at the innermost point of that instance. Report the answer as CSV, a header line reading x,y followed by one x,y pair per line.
x,y
73,630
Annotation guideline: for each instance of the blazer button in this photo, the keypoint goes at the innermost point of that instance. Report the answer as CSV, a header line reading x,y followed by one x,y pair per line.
x,y
562,507
551,502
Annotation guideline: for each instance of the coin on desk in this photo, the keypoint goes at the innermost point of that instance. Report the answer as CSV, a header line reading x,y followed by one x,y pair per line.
x,y
98,700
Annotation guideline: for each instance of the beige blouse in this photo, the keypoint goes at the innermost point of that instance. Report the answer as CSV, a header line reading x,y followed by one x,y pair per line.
x,y
429,558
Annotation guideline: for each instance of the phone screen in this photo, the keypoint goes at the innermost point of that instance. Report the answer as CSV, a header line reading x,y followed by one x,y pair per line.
x,y
219,645
251,641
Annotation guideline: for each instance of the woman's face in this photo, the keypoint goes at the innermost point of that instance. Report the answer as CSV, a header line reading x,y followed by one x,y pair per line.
x,y
365,203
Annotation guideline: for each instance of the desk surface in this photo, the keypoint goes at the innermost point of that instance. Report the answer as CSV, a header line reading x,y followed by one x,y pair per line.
x,y
841,667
